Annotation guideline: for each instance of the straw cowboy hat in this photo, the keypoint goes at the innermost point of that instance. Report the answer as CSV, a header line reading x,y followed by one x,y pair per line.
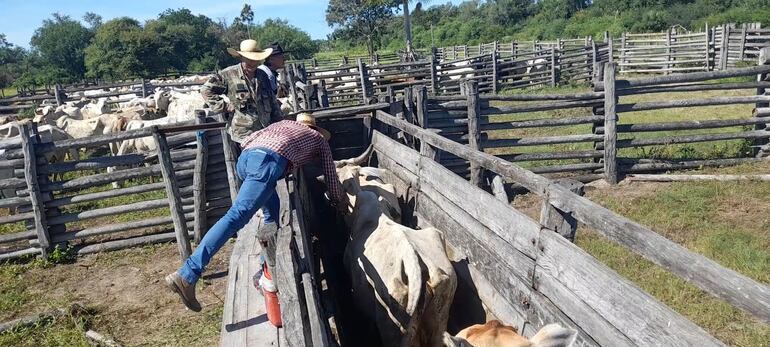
x,y
308,120
250,50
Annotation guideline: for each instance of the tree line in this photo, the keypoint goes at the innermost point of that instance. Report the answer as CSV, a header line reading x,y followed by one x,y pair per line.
x,y
64,49
481,21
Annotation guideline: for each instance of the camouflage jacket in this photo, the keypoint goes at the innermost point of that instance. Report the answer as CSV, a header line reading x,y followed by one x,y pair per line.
x,y
256,106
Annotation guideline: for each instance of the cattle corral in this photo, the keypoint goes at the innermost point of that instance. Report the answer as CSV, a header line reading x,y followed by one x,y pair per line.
x,y
434,143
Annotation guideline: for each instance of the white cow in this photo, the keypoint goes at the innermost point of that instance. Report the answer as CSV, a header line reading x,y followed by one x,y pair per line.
x,y
95,109
401,277
182,106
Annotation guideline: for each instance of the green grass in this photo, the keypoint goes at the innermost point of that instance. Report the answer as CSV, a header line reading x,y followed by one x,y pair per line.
x,y
726,222
9,92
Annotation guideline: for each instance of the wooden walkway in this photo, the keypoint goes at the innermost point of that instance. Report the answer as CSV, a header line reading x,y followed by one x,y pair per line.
x,y
244,321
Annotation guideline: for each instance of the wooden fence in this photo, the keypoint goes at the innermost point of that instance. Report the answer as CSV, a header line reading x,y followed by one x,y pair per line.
x,y
360,83
593,138
59,94
73,202
527,273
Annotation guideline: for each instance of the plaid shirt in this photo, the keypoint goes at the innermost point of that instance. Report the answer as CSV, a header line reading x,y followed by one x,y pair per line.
x,y
300,145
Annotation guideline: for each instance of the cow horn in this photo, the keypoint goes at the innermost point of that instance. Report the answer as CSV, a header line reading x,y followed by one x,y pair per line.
x,y
357,160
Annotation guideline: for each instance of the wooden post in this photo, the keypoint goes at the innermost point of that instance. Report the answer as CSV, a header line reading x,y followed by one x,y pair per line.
x,y
292,87
409,105
33,186
230,160
494,71
308,91
594,60
622,52
554,78
433,74
364,81
144,88
173,194
323,94
199,179
610,123
421,106
314,62
762,149
668,51
345,60
708,48
743,43
57,94
724,54
610,50
474,132
559,221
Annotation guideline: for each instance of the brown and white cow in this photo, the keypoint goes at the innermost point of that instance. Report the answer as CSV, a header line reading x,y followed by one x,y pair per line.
x,y
496,334
401,277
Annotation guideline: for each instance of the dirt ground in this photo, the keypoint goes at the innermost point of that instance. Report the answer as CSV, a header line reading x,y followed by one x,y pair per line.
x,y
126,292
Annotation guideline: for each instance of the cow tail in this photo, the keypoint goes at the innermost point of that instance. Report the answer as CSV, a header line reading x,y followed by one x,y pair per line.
x,y
554,335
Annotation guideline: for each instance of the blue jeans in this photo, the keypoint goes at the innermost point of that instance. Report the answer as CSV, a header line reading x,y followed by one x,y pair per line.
x,y
259,169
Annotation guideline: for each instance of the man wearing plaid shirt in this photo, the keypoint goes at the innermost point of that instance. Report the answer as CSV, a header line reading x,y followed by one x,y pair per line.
x,y
268,155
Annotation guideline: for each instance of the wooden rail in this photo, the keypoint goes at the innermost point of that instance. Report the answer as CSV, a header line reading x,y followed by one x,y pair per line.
x,y
52,207
726,284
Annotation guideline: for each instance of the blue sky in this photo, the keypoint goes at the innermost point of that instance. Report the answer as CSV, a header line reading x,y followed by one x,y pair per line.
x,y
19,19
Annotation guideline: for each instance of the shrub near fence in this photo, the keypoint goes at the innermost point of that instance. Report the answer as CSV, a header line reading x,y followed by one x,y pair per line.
x,y
82,209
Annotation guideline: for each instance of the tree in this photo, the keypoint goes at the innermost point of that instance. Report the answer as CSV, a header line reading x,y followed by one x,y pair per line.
x,y
94,20
361,19
122,48
297,42
189,42
11,57
247,17
60,42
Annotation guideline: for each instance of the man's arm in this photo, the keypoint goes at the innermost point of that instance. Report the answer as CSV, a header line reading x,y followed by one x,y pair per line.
x,y
330,173
212,91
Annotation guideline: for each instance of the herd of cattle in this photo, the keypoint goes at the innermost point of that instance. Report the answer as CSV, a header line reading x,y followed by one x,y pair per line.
x,y
403,279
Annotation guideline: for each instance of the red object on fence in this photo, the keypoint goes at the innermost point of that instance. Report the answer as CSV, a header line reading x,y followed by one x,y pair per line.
x,y
270,292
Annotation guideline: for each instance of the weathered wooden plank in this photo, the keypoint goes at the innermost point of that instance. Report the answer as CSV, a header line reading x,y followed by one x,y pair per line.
x,y
33,186
737,289
723,283
472,93
610,125
561,222
172,192
199,180
643,319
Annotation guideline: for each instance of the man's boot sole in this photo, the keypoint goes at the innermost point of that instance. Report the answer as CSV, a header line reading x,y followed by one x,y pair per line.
x,y
172,285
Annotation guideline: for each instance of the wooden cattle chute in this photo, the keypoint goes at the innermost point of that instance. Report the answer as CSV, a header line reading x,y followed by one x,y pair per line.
x,y
190,164
528,274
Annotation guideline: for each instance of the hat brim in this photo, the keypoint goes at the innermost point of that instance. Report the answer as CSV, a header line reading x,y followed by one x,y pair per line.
x,y
253,56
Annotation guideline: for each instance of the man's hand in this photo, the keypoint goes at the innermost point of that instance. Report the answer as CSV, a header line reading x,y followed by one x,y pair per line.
x,y
230,107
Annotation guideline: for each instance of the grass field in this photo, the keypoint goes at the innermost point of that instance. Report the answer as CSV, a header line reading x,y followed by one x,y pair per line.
x,y
8,92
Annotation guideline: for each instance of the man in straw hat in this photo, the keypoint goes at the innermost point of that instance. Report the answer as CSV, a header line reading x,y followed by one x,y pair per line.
x,y
267,156
248,105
